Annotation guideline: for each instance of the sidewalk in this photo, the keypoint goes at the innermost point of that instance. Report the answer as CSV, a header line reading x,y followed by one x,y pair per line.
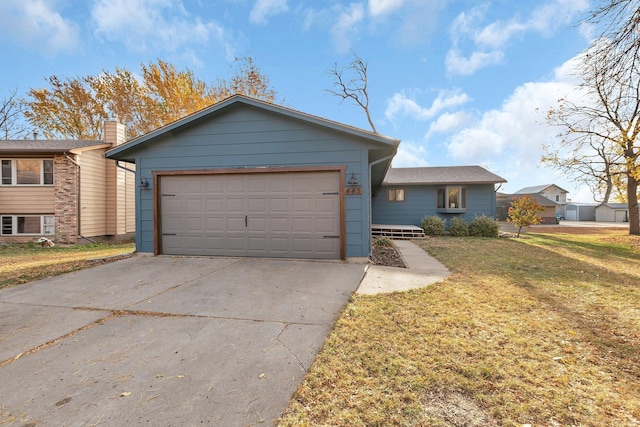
x,y
422,270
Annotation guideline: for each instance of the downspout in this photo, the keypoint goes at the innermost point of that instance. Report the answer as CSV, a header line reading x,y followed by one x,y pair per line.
x,y
78,200
122,167
375,162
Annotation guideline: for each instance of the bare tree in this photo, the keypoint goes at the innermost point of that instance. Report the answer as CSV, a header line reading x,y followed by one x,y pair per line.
x,y
617,22
11,115
586,159
608,115
351,82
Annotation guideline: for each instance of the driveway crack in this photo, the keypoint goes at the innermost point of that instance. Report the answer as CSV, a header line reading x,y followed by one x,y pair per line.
x,y
215,270
284,328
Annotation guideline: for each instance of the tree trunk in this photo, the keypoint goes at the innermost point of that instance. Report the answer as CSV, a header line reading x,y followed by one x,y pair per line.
x,y
632,197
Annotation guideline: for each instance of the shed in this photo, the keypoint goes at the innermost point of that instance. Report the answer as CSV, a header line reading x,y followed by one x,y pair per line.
x,y
245,177
612,212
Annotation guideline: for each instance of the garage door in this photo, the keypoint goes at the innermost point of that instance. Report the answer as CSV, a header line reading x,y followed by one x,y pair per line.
x,y
288,215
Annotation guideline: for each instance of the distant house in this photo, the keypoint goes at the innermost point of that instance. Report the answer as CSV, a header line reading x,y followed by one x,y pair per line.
x,y
504,202
407,195
612,212
551,192
64,189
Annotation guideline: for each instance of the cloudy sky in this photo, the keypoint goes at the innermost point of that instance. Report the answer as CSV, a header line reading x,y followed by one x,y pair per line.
x,y
460,82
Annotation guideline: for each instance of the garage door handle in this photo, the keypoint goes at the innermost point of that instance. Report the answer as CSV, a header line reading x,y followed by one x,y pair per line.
x,y
330,193
246,221
331,237
168,234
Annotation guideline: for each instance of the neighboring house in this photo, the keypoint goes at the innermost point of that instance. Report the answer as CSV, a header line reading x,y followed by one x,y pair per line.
x,y
64,189
407,195
548,215
551,192
580,211
244,177
612,212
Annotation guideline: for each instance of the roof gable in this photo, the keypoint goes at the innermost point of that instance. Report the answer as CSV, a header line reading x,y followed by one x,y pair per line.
x,y
441,175
122,152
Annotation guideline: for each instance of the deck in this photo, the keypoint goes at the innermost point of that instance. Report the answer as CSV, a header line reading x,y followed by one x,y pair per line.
x,y
397,231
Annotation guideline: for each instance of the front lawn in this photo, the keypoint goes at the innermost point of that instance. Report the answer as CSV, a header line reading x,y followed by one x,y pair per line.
x,y
20,263
542,331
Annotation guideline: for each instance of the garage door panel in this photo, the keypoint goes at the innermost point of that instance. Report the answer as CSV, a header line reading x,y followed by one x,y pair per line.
x,y
215,223
257,225
234,224
273,215
279,205
279,225
300,225
257,205
325,225
235,205
194,225
302,204
215,204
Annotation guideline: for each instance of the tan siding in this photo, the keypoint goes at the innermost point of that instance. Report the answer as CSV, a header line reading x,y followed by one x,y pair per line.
x,y
27,200
129,211
111,190
93,204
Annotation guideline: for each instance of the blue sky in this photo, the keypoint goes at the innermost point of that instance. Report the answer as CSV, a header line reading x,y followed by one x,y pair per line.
x,y
459,82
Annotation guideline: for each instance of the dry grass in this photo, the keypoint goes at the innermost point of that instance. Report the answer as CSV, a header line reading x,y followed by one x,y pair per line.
x,y
543,330
21,263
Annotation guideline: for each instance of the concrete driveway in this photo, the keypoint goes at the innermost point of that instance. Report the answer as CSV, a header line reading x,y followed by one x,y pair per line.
x,y
166,341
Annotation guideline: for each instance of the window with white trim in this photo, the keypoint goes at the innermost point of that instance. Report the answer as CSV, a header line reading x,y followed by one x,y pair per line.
x,y
26,172
451,198
37,225
395,194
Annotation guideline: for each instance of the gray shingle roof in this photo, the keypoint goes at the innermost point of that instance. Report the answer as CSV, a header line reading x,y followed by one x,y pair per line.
x,y
27,146
441,175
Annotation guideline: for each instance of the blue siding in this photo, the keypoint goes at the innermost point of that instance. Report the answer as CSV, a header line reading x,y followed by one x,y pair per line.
x,y
420,201
251,138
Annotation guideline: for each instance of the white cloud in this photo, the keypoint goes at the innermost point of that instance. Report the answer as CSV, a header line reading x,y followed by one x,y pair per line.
x,y
458,64
409,155
163,25
489,42
35,24
449,122
381,7
263,9
400,105
346,26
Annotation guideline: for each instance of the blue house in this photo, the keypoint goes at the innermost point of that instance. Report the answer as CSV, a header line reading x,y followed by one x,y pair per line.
x,y
249,178
407,195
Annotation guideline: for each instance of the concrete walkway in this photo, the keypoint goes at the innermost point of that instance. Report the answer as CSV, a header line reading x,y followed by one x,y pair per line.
x,y
422,270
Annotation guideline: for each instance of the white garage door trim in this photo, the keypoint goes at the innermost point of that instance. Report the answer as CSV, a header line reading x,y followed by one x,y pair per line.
x,y
266,244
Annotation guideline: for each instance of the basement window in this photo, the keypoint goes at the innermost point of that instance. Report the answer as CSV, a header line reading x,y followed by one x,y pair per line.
x,y
15,225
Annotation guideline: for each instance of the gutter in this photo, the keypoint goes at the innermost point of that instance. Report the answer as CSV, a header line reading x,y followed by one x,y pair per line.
x,y
78,225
